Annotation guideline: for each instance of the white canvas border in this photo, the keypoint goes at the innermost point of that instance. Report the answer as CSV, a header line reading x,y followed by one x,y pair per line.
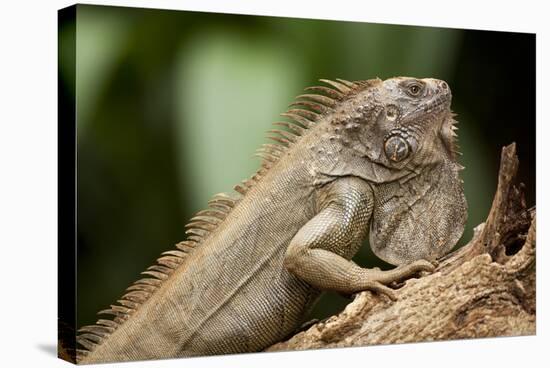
x,y
28,179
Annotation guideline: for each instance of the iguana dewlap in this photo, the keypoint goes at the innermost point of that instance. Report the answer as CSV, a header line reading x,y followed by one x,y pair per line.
x,y
367,158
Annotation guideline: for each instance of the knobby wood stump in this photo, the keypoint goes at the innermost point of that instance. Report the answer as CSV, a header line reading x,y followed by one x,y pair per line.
x,y
484,289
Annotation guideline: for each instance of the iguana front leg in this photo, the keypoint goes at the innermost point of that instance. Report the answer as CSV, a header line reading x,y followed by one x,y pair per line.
x,y
320,252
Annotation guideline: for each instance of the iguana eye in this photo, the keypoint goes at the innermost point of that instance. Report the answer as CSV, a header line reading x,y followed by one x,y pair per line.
x,y
396,148
414,89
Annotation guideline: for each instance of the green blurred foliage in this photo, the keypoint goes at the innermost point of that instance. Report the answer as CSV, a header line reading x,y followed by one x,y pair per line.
x,y
171,106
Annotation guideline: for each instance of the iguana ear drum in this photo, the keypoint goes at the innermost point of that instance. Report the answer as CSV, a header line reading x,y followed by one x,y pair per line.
x,y
397,148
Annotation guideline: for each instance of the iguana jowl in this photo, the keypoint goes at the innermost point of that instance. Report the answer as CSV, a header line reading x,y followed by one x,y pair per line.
x,y
356,156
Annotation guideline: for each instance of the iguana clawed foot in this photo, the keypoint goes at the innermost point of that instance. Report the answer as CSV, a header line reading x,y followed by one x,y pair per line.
x,y
377,280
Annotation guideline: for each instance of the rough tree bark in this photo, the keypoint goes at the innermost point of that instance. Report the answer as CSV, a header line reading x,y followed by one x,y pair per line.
x,y
484,289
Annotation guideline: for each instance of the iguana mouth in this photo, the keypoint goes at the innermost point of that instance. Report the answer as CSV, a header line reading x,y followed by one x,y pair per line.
x,y
437,103
442,103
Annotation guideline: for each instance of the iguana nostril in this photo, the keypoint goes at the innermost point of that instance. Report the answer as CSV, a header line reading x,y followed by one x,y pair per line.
x,y
444,85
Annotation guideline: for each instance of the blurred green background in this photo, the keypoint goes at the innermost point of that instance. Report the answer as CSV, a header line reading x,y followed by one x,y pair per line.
x,y
171,105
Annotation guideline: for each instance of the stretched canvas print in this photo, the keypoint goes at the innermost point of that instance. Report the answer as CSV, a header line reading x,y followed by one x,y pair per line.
x,y
236,184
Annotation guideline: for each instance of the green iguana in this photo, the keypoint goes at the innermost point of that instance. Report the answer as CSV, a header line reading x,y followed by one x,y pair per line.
x,y
366,157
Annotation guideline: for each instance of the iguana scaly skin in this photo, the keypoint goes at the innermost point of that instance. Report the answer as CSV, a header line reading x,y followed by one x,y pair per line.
x,y
359,157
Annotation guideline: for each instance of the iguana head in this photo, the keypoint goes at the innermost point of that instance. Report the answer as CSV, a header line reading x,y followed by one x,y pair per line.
x,y
404,122
398,134
416,120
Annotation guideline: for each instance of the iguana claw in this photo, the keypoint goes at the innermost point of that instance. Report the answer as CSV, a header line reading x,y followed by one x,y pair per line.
x,y
379,279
